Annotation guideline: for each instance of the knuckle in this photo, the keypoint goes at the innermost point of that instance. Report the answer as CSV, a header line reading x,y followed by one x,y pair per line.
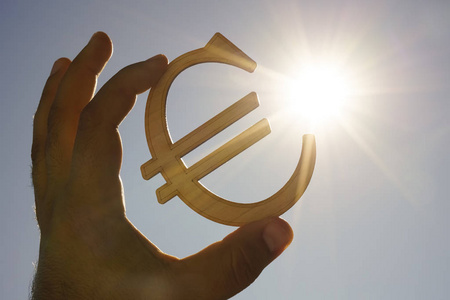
x,y
122,85
37,167
54,118
89,118
86,119
50,88
48,92
54,158
37,175
36,152
244,271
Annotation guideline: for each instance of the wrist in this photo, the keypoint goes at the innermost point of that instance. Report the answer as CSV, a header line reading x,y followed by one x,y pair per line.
x,y
54,279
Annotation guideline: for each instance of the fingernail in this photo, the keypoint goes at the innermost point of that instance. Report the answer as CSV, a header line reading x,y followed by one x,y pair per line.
x,y
95,35
159,58
277,235
57,66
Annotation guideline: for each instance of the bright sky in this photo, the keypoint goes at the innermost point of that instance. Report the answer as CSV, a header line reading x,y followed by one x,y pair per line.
x,y
373,224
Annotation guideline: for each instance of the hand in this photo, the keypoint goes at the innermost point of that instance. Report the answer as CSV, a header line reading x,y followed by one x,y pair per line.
x,y
89,249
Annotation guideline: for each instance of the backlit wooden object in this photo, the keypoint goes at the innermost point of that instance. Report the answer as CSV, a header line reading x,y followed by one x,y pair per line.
x,y
184,182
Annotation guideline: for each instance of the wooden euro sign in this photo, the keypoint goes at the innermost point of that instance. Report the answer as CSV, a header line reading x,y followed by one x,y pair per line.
x,y
184,182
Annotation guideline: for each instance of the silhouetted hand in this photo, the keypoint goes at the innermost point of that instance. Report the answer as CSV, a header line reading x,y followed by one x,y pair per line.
x,y
89,249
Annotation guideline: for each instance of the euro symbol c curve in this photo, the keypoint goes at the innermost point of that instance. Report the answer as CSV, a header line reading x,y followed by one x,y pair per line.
x,y
184,182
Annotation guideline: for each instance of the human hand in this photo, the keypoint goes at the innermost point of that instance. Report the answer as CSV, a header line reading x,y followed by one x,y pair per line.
x,y
89,249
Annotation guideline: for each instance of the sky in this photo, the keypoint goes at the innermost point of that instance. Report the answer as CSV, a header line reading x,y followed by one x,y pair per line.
x,y
373,223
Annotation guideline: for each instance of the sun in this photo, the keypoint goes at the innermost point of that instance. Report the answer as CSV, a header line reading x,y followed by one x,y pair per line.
x,y
319,92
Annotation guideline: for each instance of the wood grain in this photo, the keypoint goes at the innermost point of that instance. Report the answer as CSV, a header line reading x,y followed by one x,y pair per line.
x,y
184,182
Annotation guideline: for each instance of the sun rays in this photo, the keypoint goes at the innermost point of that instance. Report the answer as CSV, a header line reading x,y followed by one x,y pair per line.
x,y
318,92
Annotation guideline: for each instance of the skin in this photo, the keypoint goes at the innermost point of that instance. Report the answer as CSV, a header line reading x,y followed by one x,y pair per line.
x,y
88,247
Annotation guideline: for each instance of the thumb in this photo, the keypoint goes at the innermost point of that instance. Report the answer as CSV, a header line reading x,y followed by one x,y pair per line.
x,y
229,266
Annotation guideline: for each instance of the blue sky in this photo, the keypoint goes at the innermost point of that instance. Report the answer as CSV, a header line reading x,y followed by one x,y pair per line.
x,y
373,224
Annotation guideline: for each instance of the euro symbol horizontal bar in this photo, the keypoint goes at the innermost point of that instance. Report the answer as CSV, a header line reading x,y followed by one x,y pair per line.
x,y
218,157
200,135
217,124
230,149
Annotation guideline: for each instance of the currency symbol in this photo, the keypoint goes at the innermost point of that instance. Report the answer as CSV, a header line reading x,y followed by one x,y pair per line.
x,y
184,182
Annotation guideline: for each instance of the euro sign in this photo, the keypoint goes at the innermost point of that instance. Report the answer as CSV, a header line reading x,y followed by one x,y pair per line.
x,y
184,182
